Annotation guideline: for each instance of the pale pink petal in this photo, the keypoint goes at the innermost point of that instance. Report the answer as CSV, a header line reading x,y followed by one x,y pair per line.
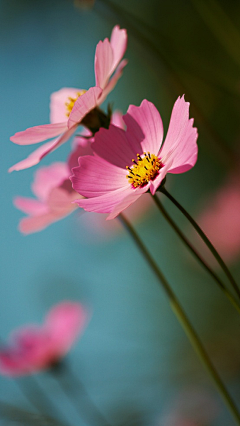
x,y
49,177
127,201
59,141
94,169
39,133
58,111
119,45
60,201
83,105
103,63
105,203
112,145
117,120
64,323
30,206
34,157
180,143
144,128
82,147
31,224
112,82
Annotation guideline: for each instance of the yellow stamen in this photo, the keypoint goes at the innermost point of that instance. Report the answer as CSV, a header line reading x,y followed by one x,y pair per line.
x,y
143,170
69,105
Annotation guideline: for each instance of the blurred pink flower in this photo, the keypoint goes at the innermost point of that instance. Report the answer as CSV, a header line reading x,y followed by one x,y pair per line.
x,y
70,106
220,219
54,198
33,348
102,178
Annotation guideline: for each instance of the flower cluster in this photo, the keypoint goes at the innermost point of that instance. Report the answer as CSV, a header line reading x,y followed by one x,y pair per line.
x,y
115,160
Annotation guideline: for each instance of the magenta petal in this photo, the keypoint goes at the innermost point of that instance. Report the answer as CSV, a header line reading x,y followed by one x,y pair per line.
x,y
103,63
95,177
82,147
105,203
83,105
57,103
39,133
126,202
112,145
119,44
144,127
180,147
64,323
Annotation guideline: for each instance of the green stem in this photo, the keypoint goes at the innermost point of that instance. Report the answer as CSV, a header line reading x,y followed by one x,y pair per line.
x,y
188,328
196,254
205,239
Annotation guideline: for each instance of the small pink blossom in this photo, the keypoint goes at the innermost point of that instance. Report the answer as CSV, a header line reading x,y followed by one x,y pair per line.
x,y
54,193
128,163
33,348
69,106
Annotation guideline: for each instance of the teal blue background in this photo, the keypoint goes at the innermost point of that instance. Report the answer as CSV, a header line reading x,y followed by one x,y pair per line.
x,y
133,358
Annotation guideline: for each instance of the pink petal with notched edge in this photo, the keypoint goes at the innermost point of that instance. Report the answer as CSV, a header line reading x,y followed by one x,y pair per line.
x,y
64,323
103,63
144,128
82,147
112,145
105,203
57,103
94,169
127,201
49,177
112,82
118,43
180,143
39,133
83,105
30,206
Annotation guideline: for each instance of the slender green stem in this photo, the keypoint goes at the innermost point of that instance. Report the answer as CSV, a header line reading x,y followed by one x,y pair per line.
x,y
205,239
184,321
196,254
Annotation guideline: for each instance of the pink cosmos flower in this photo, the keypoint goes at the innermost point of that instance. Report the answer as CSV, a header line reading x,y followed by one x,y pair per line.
x,y
128,163
54,198
33,348
69,106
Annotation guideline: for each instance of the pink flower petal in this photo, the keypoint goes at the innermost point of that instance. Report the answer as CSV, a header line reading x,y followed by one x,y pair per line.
x,y
31,224
144,128
112,82
118,43
109,177
180,144
39,133
83,105
127,201
112,145
82,147
103,63
30,206
64,323
104,203
57,104
48,178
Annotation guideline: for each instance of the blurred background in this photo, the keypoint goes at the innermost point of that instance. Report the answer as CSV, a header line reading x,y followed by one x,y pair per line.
x,y
134,359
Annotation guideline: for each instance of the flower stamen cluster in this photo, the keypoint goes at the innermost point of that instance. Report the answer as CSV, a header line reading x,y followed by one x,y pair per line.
x,y
69,105
145,169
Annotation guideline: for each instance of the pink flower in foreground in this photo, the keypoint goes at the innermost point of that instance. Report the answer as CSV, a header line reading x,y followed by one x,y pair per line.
x,y
54,198
128,163
33,348
70,107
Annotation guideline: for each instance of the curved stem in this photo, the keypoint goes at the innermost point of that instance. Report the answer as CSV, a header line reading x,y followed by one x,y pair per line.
x,y
205,239
184,321
196,254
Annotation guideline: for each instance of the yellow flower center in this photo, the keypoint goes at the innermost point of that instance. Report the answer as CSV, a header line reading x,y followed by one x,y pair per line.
x,y
143,170
71,101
